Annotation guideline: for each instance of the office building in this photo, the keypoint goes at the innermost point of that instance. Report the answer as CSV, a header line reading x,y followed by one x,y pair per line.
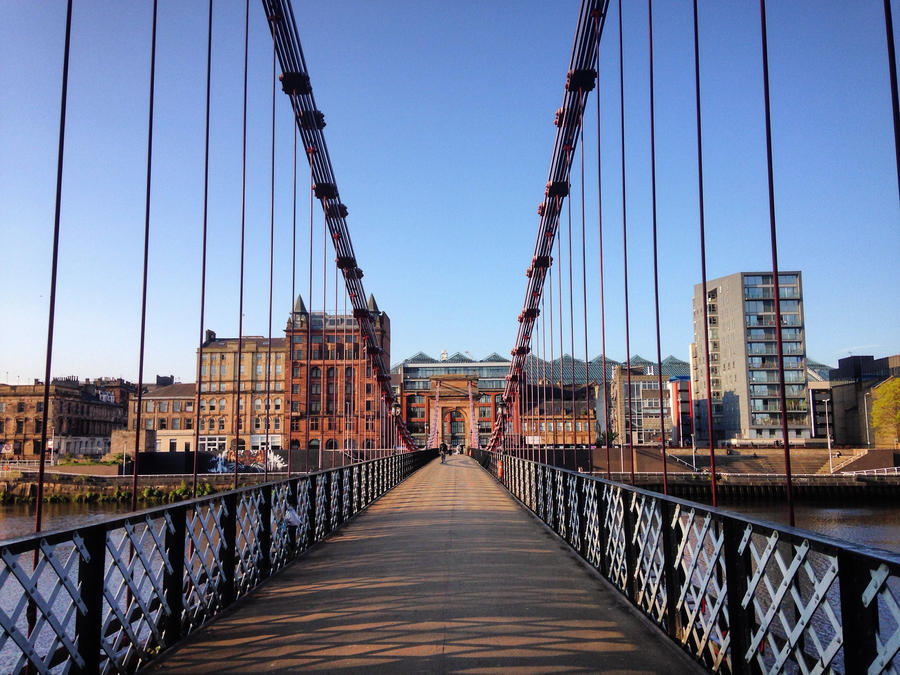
x,y
744,377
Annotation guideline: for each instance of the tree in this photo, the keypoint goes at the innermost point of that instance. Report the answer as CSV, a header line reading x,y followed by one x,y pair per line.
x,y
886,412
601,438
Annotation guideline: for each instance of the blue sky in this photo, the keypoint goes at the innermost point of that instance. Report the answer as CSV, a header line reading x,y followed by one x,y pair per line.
x,y
440,128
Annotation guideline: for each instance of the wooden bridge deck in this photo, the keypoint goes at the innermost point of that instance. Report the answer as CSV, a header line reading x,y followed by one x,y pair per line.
x,y
446,573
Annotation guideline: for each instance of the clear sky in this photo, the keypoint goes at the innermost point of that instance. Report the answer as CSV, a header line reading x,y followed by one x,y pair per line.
x,y
440,128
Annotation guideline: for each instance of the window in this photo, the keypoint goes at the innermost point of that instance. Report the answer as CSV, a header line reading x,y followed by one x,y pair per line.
x,y
2,407
148,406
257,404
315,389
295,406
314,426
163,406
39,406
212,404
189,406
176,423
163,423
148,423
202,423
315,373
295,389
331,372
214,387
277,424
221,404
277,404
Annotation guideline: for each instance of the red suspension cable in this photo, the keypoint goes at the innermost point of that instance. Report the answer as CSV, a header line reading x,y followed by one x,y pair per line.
x,y
662,416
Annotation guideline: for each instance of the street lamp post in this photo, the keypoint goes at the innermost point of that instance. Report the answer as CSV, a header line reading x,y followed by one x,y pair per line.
x,y
828,437
866,408
395,411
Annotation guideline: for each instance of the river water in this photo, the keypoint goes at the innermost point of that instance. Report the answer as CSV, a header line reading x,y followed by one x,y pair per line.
x,y
876,525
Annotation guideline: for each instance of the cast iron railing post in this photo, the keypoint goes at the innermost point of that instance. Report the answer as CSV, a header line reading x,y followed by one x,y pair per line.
x,y
311,510
737,573
229,548
88,625
670,568
630,557
293,500
173,579
265,533
858,622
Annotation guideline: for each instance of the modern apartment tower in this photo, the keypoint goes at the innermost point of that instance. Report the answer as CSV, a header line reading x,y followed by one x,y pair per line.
x,y
744,379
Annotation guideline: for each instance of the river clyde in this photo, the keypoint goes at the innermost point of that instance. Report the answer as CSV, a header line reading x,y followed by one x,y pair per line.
x,y
876,525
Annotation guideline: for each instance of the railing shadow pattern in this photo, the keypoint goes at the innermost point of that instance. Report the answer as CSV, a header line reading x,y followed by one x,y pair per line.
x,y
738,594
109,597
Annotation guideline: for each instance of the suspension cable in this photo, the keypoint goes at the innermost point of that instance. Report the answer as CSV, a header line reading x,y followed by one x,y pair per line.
x,y
239,417
588,427
892,69
203,252
662,416
571,334
709,416
51,314
310,151
606,425
289,364
140,383
775,278
268,409
628,393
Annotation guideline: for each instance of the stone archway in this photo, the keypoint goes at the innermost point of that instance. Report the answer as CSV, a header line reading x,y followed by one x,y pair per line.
x,y
455,425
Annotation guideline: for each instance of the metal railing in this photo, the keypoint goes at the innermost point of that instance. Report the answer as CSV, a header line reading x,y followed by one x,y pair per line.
x,y
738,594
888,471
109,597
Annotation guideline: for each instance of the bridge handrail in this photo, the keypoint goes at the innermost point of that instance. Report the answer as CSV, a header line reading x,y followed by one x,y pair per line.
x,y
889,471
109,597
738,593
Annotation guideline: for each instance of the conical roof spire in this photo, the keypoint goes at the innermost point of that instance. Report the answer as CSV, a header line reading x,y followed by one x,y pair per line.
x,y
373,306
299,307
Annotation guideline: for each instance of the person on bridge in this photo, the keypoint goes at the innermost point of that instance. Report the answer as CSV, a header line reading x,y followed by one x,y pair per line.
x,y
443,451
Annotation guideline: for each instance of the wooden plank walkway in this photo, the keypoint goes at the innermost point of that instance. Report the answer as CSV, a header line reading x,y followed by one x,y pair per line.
x,y
446,573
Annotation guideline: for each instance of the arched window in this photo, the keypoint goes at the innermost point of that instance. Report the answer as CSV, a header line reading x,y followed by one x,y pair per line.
x,y
314,444
202,423
331,444
331,371
315,373
221,404
368,444
257,404
221,424
295,445
212,404
257,423
276,422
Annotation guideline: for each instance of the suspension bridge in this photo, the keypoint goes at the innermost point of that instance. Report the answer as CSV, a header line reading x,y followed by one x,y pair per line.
x,y
517,553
